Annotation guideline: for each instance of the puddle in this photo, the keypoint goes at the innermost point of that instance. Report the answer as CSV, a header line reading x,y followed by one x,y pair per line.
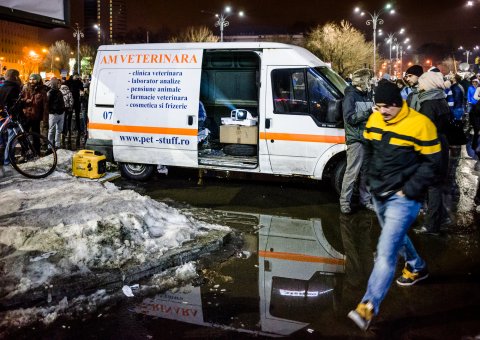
x,y
301,267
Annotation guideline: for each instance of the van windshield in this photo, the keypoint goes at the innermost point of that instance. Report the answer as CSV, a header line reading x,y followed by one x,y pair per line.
x,y
333,77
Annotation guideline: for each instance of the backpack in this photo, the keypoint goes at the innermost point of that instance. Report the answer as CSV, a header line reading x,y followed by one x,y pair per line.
x,y
68,99
56,105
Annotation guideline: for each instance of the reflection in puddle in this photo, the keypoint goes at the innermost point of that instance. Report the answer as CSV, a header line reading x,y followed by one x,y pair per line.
x,y
292,274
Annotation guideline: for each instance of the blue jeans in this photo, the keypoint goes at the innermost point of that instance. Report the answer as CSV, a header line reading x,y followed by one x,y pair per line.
x,y
11,134
395,214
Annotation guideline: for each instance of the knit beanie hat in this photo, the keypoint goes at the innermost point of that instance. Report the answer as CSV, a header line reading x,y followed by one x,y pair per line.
x,y
416,70
431,80
388,93
35,76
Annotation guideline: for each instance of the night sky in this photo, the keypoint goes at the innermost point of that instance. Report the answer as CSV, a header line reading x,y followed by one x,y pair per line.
x,y
425,21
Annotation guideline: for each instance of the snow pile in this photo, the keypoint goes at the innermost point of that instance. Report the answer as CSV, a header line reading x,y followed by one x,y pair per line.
x,y
69,225
82,305
466,180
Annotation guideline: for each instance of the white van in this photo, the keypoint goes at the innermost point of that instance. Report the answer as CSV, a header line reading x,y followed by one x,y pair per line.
x,y
270,108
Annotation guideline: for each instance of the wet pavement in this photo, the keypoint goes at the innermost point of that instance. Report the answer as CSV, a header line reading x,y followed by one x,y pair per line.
x,y
300,268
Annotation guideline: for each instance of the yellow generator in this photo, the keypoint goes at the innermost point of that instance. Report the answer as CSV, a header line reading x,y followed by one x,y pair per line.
x,y
89,164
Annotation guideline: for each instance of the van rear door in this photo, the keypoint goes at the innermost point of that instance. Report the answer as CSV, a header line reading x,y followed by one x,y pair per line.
x,y
155,116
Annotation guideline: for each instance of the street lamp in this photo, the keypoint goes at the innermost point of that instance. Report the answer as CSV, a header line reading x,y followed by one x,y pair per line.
x,y
467,52
375,19
100,33
222,19
77,33
392,40
400,51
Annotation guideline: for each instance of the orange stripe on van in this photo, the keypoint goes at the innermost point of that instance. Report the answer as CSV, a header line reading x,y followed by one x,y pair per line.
x,y
300,257
143,129
302,137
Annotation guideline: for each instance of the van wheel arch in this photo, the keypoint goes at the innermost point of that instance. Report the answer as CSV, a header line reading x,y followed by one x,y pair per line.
x,y
335,169
138,172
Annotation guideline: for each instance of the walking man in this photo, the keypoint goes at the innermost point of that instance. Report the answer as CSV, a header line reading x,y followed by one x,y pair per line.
x,y
405,158
357,107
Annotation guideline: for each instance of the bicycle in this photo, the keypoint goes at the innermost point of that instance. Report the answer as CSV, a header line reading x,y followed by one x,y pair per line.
x,y
23,154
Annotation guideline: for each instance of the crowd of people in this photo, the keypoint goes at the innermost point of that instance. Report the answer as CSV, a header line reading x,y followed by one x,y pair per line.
x,y
404,132
47,108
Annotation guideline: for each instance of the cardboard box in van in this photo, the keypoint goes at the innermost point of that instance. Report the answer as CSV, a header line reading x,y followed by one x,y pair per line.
x,y
238,134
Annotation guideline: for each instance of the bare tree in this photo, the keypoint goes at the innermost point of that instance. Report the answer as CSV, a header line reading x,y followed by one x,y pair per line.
x,y
58,56
195,34
449,65
342,45
88,54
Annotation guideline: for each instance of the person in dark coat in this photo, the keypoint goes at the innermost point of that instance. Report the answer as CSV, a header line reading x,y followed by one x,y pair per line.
x,y
411,77
458,109
35,106
76,86
9,94
357,106
432,103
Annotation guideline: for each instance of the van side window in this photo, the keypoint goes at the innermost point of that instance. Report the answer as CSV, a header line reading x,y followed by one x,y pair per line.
x,y
105,92
320,94
289,91
305,91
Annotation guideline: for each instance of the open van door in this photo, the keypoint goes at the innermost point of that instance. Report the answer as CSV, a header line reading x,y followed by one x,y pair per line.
x,y
155,116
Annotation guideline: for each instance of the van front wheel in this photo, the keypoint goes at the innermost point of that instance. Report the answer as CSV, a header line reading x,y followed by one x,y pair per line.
x,y
138,172
337,174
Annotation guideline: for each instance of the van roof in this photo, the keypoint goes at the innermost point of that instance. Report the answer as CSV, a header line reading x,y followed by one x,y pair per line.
x,y
217,46
201,45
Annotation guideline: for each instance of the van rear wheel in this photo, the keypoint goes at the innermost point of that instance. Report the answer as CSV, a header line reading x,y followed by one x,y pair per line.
x,y
138,172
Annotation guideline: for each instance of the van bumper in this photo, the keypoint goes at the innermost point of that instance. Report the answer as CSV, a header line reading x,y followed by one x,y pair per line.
x,y
102,145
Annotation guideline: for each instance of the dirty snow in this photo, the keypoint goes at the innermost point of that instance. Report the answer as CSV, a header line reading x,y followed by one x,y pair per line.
x,y
84,224
82,305
467,182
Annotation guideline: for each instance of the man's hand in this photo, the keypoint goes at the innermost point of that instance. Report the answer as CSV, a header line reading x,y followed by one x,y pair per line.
x,y
400,193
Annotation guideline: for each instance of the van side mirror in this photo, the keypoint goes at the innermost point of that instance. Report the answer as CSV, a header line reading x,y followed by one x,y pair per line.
x,y
334,112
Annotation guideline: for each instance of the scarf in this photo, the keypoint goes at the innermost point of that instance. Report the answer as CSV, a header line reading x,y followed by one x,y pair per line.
x,y
427,95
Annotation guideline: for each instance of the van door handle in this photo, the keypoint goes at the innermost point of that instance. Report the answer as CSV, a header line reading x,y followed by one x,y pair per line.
x,y
190,120
268,122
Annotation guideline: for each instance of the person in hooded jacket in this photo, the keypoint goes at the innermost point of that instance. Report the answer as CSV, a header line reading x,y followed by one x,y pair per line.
x,y
67,123
357,106
35,106
56,108
433,104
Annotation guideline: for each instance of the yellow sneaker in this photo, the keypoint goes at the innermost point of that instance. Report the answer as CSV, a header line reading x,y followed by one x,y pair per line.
x,y
409,277
362,315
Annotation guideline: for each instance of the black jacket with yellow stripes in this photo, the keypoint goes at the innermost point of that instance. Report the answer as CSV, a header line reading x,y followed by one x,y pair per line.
x,y
404,153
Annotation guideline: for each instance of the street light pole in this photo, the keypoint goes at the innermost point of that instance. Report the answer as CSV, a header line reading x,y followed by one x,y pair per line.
x,y
390,40
222,19
77,33
374,21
